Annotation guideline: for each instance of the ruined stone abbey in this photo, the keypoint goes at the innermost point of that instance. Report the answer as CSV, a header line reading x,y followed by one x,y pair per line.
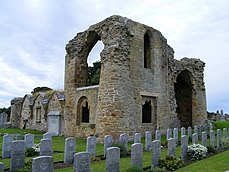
x,y
142,87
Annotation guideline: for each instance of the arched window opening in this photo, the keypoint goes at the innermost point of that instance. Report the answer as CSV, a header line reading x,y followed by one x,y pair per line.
x,y
147,53
183,95
147,112
85,113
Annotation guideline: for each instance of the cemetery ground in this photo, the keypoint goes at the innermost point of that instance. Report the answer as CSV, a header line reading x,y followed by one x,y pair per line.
x,y
217,162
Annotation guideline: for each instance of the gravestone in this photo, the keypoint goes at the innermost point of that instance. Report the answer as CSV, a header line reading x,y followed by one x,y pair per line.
x,y
184,147
69,150
6,145
43,164
175,134
123,140
91,146
1,167
113,159
168,134
137,138
148,140
17,155
212,138
108,140
158,135
3,119
211,127
225,133
156,152
46,147
136,155
204,138
196,131
47,136
29,140
195,138
82,162
183,131
189,132
54,123
219,138
171,147
200,131
222,116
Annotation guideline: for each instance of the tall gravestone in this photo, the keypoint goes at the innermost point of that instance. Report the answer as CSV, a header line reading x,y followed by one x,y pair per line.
x,y
156,152
148,140
171,147
195,138
113,159
219,138
6,145
108,140
200,131
225,135
46,147
136,155
91,145
183,131
82,162
137,137
17,155
43,164
204,138
69,150
184,147
123,140
189,132
158,135
3,119
169,134
196,131
212,138
175,134
29,140
54,123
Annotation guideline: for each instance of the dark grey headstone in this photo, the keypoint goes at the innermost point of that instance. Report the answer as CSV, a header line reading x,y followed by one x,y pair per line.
x,y
17,155
156,152
171,147
113,159
69,150
108,140
123,140
6,145
43,164
91,145
137,138
29,140
184,147
46,147
82,162
136,155
148,140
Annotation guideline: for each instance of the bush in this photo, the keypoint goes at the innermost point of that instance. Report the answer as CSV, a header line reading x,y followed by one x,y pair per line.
x,y
123,151
210,149
197,152
33,151
134,169
170,163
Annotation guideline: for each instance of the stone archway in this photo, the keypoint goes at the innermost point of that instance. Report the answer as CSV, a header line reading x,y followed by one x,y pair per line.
x,y
183,94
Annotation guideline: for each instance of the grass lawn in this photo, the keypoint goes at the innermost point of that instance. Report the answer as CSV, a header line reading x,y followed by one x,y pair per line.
x,y
221,124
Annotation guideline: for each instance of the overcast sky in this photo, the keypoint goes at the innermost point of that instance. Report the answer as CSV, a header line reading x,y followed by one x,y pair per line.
x,y
33,35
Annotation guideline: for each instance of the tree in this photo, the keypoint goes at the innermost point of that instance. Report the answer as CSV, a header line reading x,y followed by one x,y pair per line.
x,y
94,74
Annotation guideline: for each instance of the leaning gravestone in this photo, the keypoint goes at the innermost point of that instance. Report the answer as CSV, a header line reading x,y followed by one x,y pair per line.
x,y
113,159
148,140
91,146
123,140
108,140
46,147
1,167
17,155
29,140
137,138
136,155
171,147
156,152
47,136
82,162
184,147
69,150
6,145
43,164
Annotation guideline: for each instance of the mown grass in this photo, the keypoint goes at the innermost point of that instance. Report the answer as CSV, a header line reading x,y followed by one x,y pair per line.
x,y
221,124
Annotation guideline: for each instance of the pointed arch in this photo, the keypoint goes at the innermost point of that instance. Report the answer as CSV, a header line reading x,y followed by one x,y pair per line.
x,y
83,111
